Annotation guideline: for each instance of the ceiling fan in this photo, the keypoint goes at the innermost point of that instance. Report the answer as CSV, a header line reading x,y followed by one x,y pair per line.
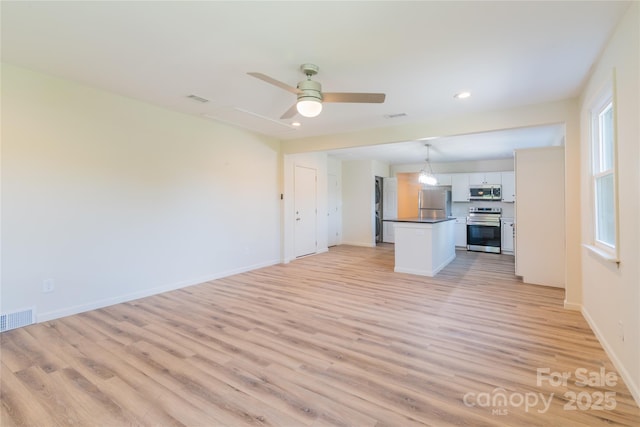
x,y
310,95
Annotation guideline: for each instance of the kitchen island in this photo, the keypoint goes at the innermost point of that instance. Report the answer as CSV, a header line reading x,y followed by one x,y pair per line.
x,y
423,246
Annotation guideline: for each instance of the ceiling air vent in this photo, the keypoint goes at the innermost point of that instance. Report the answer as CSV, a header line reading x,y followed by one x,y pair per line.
x,y
197,98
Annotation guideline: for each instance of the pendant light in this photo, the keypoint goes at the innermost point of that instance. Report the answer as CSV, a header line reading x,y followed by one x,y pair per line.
x,y
426,174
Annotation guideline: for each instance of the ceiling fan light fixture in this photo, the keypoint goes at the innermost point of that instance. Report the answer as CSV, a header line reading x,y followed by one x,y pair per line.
x,y
310,95
309,106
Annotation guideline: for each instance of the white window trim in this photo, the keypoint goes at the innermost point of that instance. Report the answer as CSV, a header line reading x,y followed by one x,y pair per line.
x,y
605,255
606,94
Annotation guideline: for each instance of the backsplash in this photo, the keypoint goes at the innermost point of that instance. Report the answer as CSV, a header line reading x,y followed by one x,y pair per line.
x,y
461,209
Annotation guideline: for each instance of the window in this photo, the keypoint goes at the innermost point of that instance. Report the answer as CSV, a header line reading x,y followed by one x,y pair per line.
x,y
603,155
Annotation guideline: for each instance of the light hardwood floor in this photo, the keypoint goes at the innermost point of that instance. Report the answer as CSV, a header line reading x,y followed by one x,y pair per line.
x,y
333,339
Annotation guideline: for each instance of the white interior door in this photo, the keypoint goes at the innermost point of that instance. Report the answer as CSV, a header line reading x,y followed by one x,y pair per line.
x,y
305,214
332,214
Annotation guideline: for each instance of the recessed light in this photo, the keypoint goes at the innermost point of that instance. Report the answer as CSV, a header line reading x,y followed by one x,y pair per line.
x,y
462,95
296,124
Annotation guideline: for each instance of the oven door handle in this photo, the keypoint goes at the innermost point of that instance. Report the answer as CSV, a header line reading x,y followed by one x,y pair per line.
x,y
485,223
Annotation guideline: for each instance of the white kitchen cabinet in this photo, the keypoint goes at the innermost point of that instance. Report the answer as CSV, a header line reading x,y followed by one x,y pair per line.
x,y
508,187
461,232
389,199
481,178
507,227
423,248
460,187
388,235
443,178
476,178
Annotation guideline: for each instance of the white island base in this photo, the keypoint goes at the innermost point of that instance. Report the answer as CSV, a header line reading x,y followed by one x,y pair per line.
x,y
424,248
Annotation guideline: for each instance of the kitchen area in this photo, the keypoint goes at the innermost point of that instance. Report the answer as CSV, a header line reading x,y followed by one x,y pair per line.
x,y
493,203
481,205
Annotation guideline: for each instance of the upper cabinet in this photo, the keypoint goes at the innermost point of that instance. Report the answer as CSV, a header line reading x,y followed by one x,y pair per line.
x,y
459,183
508,187
443,178
460,187
481,178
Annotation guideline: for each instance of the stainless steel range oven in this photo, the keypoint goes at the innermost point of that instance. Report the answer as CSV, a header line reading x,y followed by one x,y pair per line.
x,y
483,229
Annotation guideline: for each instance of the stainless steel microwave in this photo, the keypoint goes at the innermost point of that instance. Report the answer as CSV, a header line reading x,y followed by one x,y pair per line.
x,y
485,192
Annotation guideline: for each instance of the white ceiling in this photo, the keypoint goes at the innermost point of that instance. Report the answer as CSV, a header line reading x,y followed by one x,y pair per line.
x,y
507,54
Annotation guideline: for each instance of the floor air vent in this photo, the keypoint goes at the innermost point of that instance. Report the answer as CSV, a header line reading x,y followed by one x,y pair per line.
x,y
17,319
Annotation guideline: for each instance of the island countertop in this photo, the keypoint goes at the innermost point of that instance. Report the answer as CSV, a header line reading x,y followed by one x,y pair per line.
x,y
420,220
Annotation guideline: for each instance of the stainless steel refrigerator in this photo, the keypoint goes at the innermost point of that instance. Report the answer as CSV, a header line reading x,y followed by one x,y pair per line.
x,y
434,203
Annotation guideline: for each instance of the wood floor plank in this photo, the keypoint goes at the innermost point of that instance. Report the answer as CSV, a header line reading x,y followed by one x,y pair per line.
x,y
341,396
333,339
27,351
17,404
64,403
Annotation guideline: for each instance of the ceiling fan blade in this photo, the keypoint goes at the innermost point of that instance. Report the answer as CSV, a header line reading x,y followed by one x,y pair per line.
x,y
275,82
367,98
290,112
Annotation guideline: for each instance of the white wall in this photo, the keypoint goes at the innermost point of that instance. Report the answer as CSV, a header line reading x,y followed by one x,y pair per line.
x,y
317,161
380,169
334,167
358,196
115,199
611,294
540,237
531,115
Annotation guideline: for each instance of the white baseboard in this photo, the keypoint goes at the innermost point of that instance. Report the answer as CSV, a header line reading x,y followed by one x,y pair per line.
x,y
93,305
361,244
528,281
319,251
424,272
626,377
572,306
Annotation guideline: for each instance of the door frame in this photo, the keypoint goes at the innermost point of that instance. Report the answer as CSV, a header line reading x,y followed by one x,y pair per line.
x,y
316,161
311,217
